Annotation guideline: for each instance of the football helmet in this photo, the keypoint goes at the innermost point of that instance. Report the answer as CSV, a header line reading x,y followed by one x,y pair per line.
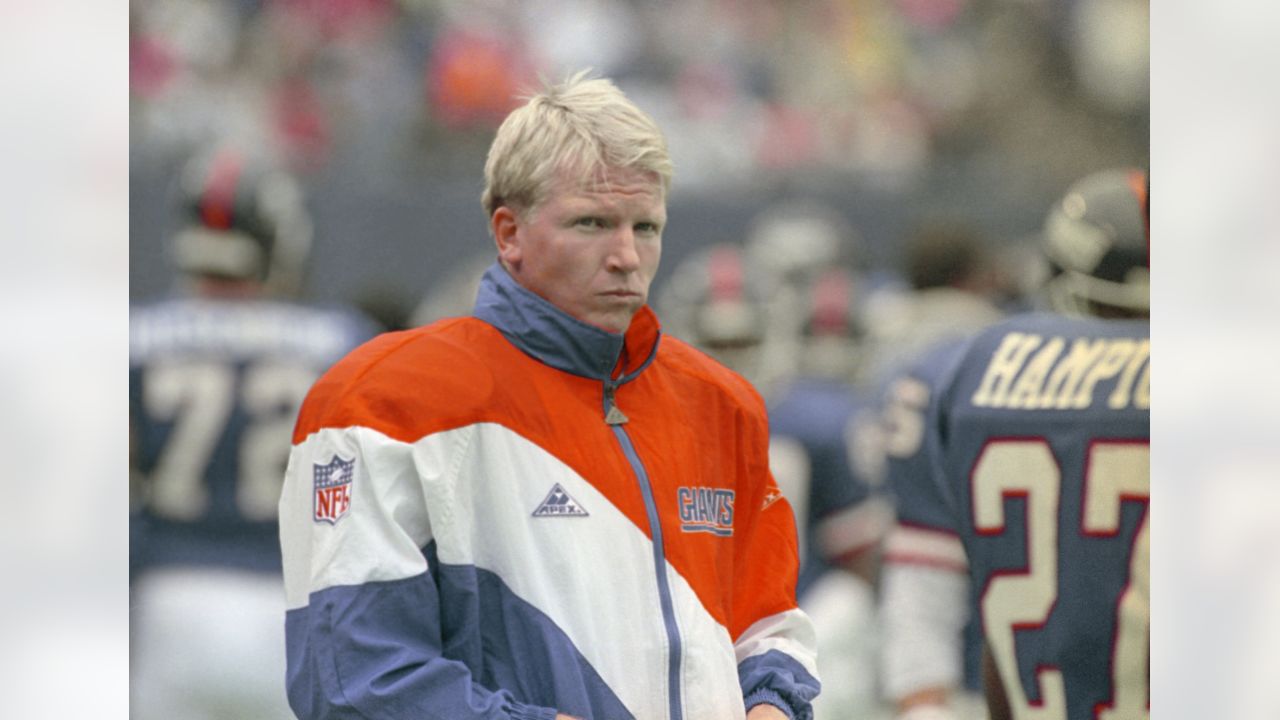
x,y
834,328
1098,241
718,302
798,239
242,219
797,242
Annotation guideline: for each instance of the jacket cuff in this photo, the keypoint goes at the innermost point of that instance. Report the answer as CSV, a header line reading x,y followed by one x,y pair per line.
x,y
765,696
520,711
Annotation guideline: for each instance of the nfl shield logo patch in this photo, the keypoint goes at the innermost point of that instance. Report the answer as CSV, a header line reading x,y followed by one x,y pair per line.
x,y
333,489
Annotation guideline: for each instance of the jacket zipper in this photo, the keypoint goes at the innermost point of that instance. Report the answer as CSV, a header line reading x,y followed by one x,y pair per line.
x,y
615,418
613,415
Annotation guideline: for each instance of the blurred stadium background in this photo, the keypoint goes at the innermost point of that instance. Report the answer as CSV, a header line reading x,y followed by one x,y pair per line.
x,y
891,111
85,184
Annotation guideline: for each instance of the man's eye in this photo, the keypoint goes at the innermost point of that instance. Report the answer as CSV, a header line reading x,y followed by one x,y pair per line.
x,y
647,227
590,222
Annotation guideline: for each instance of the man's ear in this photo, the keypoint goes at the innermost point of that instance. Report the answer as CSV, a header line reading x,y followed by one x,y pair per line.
x,y
505,227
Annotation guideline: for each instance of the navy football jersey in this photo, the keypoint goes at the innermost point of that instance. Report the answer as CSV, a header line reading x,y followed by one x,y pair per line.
x,y
912,461
214,388
810,429
1043,429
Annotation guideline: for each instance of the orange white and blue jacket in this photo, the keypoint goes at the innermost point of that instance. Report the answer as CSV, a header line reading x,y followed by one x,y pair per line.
x,y
517,514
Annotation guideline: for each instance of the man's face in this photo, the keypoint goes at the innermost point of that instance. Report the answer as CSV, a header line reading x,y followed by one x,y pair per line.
x,y
590,251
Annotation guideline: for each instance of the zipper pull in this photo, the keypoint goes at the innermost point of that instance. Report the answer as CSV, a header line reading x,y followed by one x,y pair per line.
x,y
613,416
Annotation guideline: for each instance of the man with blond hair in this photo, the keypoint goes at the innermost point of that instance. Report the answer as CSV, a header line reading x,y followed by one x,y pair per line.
x,y
547,509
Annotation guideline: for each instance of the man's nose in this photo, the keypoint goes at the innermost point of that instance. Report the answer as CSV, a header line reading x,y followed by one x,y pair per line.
x,y
623,256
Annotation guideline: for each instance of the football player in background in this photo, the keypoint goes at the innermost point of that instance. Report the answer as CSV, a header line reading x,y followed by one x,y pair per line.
x,y
931,655
954,282
824,449
216,376
1031,483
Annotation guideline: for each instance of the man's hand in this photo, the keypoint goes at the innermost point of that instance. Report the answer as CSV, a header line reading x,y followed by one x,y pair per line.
x,y
926,704
927,712
765,711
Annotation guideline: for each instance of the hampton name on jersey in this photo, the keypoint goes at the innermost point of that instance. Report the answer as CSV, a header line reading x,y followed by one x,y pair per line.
x,y
1043,435
215,387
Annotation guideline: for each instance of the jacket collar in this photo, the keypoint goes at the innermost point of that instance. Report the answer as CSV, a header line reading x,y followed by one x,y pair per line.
x,y
553,337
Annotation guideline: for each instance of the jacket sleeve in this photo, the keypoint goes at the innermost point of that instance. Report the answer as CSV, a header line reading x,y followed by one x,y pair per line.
x,y
774,640
363,625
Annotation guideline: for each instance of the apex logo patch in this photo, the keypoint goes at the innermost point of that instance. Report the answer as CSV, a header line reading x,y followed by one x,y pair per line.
x,y
559,504
332,497
705,509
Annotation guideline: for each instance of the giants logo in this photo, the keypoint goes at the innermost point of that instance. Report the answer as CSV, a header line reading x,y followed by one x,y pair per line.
x,y
704,509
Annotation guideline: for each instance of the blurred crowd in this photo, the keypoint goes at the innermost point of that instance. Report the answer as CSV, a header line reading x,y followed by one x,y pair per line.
x,y
365,100
868,89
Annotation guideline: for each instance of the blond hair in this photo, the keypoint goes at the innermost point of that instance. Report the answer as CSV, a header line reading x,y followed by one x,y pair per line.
x,y
581,126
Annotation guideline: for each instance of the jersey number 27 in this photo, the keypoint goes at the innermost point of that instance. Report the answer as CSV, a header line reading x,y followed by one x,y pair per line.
x,y
1116,472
